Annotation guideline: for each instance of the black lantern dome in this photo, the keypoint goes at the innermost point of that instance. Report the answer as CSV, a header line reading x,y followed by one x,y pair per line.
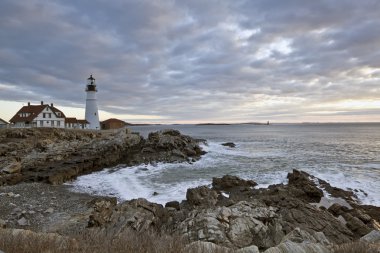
x,y
91,86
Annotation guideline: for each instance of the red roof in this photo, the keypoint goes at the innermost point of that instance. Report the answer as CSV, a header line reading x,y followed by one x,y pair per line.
x,y
83,121
55,110
34,111
71,120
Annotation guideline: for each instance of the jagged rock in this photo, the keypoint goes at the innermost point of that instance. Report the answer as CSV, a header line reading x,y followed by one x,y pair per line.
x,y
200,246
12,168
228,182
173,204
138,214
201,195
337,209
239,225
229,144
23,222
372,237
103,209
292,247
301,180
356,225
300,236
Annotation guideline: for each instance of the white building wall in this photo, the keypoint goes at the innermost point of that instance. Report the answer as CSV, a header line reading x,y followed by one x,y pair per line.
x,y
49,120
92,114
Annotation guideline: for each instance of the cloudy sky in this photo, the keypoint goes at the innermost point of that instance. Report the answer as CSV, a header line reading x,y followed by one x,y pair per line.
x,y
184,61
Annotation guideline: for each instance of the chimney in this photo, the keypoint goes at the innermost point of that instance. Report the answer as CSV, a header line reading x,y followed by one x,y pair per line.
x,y
51,104
28,103
42,102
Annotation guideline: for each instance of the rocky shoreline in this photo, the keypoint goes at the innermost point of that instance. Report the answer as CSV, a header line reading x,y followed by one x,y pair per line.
x,y
232,215
55,156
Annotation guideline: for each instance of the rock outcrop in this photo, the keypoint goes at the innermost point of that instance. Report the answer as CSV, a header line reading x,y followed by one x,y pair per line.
x,y
57,155
278,219
231,216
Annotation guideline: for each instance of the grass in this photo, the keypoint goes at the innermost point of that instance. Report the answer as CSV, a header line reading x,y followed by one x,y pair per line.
x,y
98,241
357,247
95,241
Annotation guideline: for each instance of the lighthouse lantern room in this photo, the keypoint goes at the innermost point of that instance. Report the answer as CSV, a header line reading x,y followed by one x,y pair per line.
x,y
92,115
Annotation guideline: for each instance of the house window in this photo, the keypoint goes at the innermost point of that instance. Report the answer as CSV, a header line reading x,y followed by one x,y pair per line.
x,y
49,115
52,123
47,108
59,114
58,123
41,123
44,116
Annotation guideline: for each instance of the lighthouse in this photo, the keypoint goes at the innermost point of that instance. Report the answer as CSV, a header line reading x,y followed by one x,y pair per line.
x,y
92,115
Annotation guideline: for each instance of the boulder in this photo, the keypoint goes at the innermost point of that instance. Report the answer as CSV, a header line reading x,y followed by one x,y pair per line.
x,y
12,168
303,181
173,204
228,182
337,209
240,225
372,237
137,214
201,196
356,225
292,247
300,236
23,222
102,211
249,249
206,247
229,144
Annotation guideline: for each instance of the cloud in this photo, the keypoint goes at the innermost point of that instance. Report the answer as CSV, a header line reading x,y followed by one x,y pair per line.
x,y
193,60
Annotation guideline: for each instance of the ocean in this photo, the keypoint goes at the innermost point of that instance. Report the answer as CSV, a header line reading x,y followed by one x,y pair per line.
x,y
345,155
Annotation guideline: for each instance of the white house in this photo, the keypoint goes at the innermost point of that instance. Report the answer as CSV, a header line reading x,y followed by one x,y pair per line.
x,y
42,115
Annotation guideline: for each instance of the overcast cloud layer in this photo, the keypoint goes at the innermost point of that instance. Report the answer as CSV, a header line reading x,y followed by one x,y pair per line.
x,y
196,60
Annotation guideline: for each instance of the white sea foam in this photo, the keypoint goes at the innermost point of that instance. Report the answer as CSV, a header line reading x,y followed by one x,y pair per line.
x,y
366,188
171,181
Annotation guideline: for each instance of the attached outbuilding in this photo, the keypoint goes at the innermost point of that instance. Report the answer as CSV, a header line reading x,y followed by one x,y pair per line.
x,y
3,124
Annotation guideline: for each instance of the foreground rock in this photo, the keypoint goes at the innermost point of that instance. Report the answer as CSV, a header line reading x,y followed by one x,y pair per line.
x,y
57,155
231,216
281,218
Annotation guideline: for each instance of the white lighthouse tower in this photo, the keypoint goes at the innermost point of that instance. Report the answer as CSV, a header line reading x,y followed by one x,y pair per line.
x,y
92,115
